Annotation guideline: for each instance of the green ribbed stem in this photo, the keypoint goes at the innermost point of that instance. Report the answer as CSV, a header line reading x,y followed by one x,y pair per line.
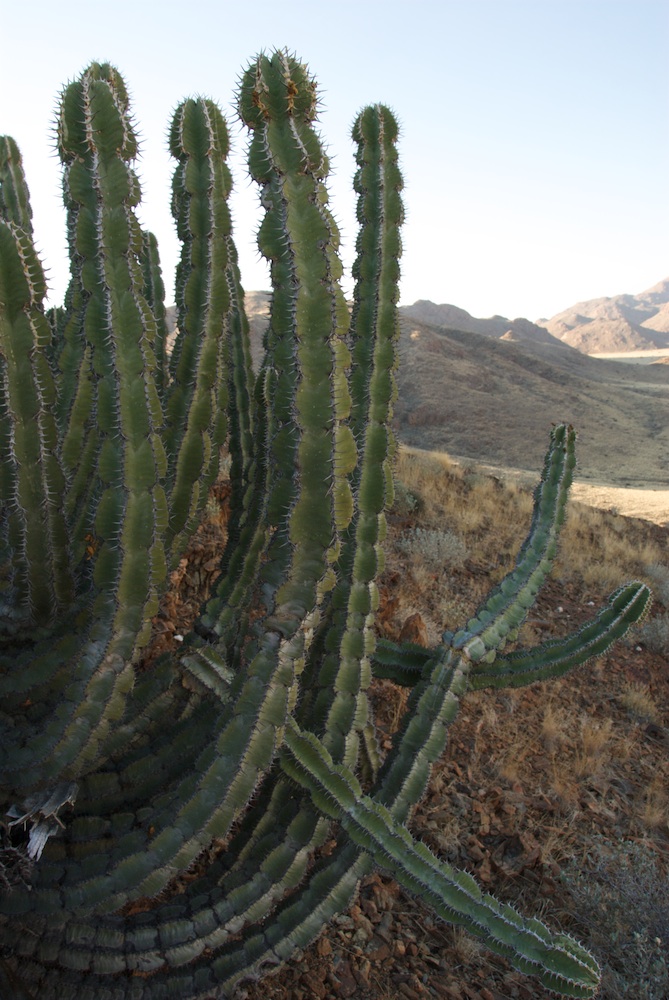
x,y
115,496
196,398
557,961
154,293
344,670
14,195
31,476
225,614
627,606
502,613
402,663
277,101
114,504
243,415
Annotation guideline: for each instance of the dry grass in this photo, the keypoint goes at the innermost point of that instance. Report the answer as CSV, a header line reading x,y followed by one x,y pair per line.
x,y
451,497
637,698
623,884
594,750
434,547
656,805
654,634
598,547
657,574
554,727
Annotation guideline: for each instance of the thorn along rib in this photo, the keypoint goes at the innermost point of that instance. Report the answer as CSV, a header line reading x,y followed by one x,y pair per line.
x,y
259,735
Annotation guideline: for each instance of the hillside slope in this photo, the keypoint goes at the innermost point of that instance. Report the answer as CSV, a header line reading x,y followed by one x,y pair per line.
x,y
494,400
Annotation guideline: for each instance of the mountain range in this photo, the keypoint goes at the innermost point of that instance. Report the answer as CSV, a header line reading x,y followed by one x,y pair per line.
x,y
615,324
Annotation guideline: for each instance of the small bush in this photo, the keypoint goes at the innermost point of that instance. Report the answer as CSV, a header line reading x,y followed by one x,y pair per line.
x,y
621,900
654,634
658,577
436,548
638,700
406,501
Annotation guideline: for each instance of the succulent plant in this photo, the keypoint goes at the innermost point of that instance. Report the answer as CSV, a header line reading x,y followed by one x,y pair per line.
x,y
254,737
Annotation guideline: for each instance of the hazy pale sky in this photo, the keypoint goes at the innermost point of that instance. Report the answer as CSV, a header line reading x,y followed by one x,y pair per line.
x,y
535,133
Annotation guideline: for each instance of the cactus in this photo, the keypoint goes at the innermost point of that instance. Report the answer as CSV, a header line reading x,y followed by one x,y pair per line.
x,y
251,737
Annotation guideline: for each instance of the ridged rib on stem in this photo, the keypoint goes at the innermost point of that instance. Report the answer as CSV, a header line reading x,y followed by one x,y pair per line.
x,y
14,196
154,293
110,450
556,960
305,350
121,502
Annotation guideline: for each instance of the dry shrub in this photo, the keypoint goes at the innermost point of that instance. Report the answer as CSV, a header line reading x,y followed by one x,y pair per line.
x,y
467,949
625,886
484,512
657,575
405,502
597,548
638,700
554,727
594,752
656,805
654,634
566,791
426,474
436,548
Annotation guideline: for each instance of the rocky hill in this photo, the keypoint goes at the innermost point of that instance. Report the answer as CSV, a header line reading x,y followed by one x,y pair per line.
x,y
616,324
454,318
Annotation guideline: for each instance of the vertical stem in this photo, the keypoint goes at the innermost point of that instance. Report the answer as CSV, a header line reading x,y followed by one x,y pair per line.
x,y
115,462
32,480
197,396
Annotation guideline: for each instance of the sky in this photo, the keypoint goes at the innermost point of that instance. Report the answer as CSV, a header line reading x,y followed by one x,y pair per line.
x,y
534,143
